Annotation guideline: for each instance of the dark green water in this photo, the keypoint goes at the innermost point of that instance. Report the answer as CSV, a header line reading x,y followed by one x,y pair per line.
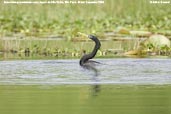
x,y
118,86
85,99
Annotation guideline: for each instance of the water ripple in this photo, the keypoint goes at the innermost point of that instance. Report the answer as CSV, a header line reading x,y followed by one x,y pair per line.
x,y
113,71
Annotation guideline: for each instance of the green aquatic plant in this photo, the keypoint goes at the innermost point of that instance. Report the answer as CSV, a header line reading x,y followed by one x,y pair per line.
x,y
40,21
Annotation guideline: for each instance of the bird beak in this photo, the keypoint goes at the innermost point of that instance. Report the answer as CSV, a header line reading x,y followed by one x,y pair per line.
x,y
83,34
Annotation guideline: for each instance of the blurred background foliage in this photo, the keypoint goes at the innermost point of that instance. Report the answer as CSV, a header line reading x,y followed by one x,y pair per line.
x,y
65,20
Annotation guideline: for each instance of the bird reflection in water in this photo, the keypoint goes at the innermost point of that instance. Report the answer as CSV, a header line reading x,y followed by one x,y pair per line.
x,y
89,65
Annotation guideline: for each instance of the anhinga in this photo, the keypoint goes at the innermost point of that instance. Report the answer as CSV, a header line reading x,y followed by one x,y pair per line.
x,y
85,58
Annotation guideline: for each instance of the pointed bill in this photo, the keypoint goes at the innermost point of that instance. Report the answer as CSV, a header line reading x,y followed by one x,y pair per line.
x,y
83,34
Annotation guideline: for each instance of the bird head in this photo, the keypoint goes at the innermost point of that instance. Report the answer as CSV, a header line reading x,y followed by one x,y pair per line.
x,y
92,37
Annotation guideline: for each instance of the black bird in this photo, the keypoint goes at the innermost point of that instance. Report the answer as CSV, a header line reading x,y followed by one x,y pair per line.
x,y
85,58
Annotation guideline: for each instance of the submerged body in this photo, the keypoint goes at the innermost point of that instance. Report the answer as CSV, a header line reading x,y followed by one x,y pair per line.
x,y
85,59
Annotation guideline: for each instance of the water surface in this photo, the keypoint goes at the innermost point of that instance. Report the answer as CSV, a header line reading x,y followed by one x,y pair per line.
x,y
117,86
111,71
85,99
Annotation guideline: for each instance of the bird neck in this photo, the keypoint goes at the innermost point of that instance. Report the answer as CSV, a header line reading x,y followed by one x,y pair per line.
x,y
86,57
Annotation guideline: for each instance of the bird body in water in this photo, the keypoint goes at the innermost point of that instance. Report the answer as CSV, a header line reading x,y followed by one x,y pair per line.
x,y
85,58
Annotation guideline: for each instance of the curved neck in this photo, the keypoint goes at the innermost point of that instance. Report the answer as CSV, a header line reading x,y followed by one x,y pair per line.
x,y
86,57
